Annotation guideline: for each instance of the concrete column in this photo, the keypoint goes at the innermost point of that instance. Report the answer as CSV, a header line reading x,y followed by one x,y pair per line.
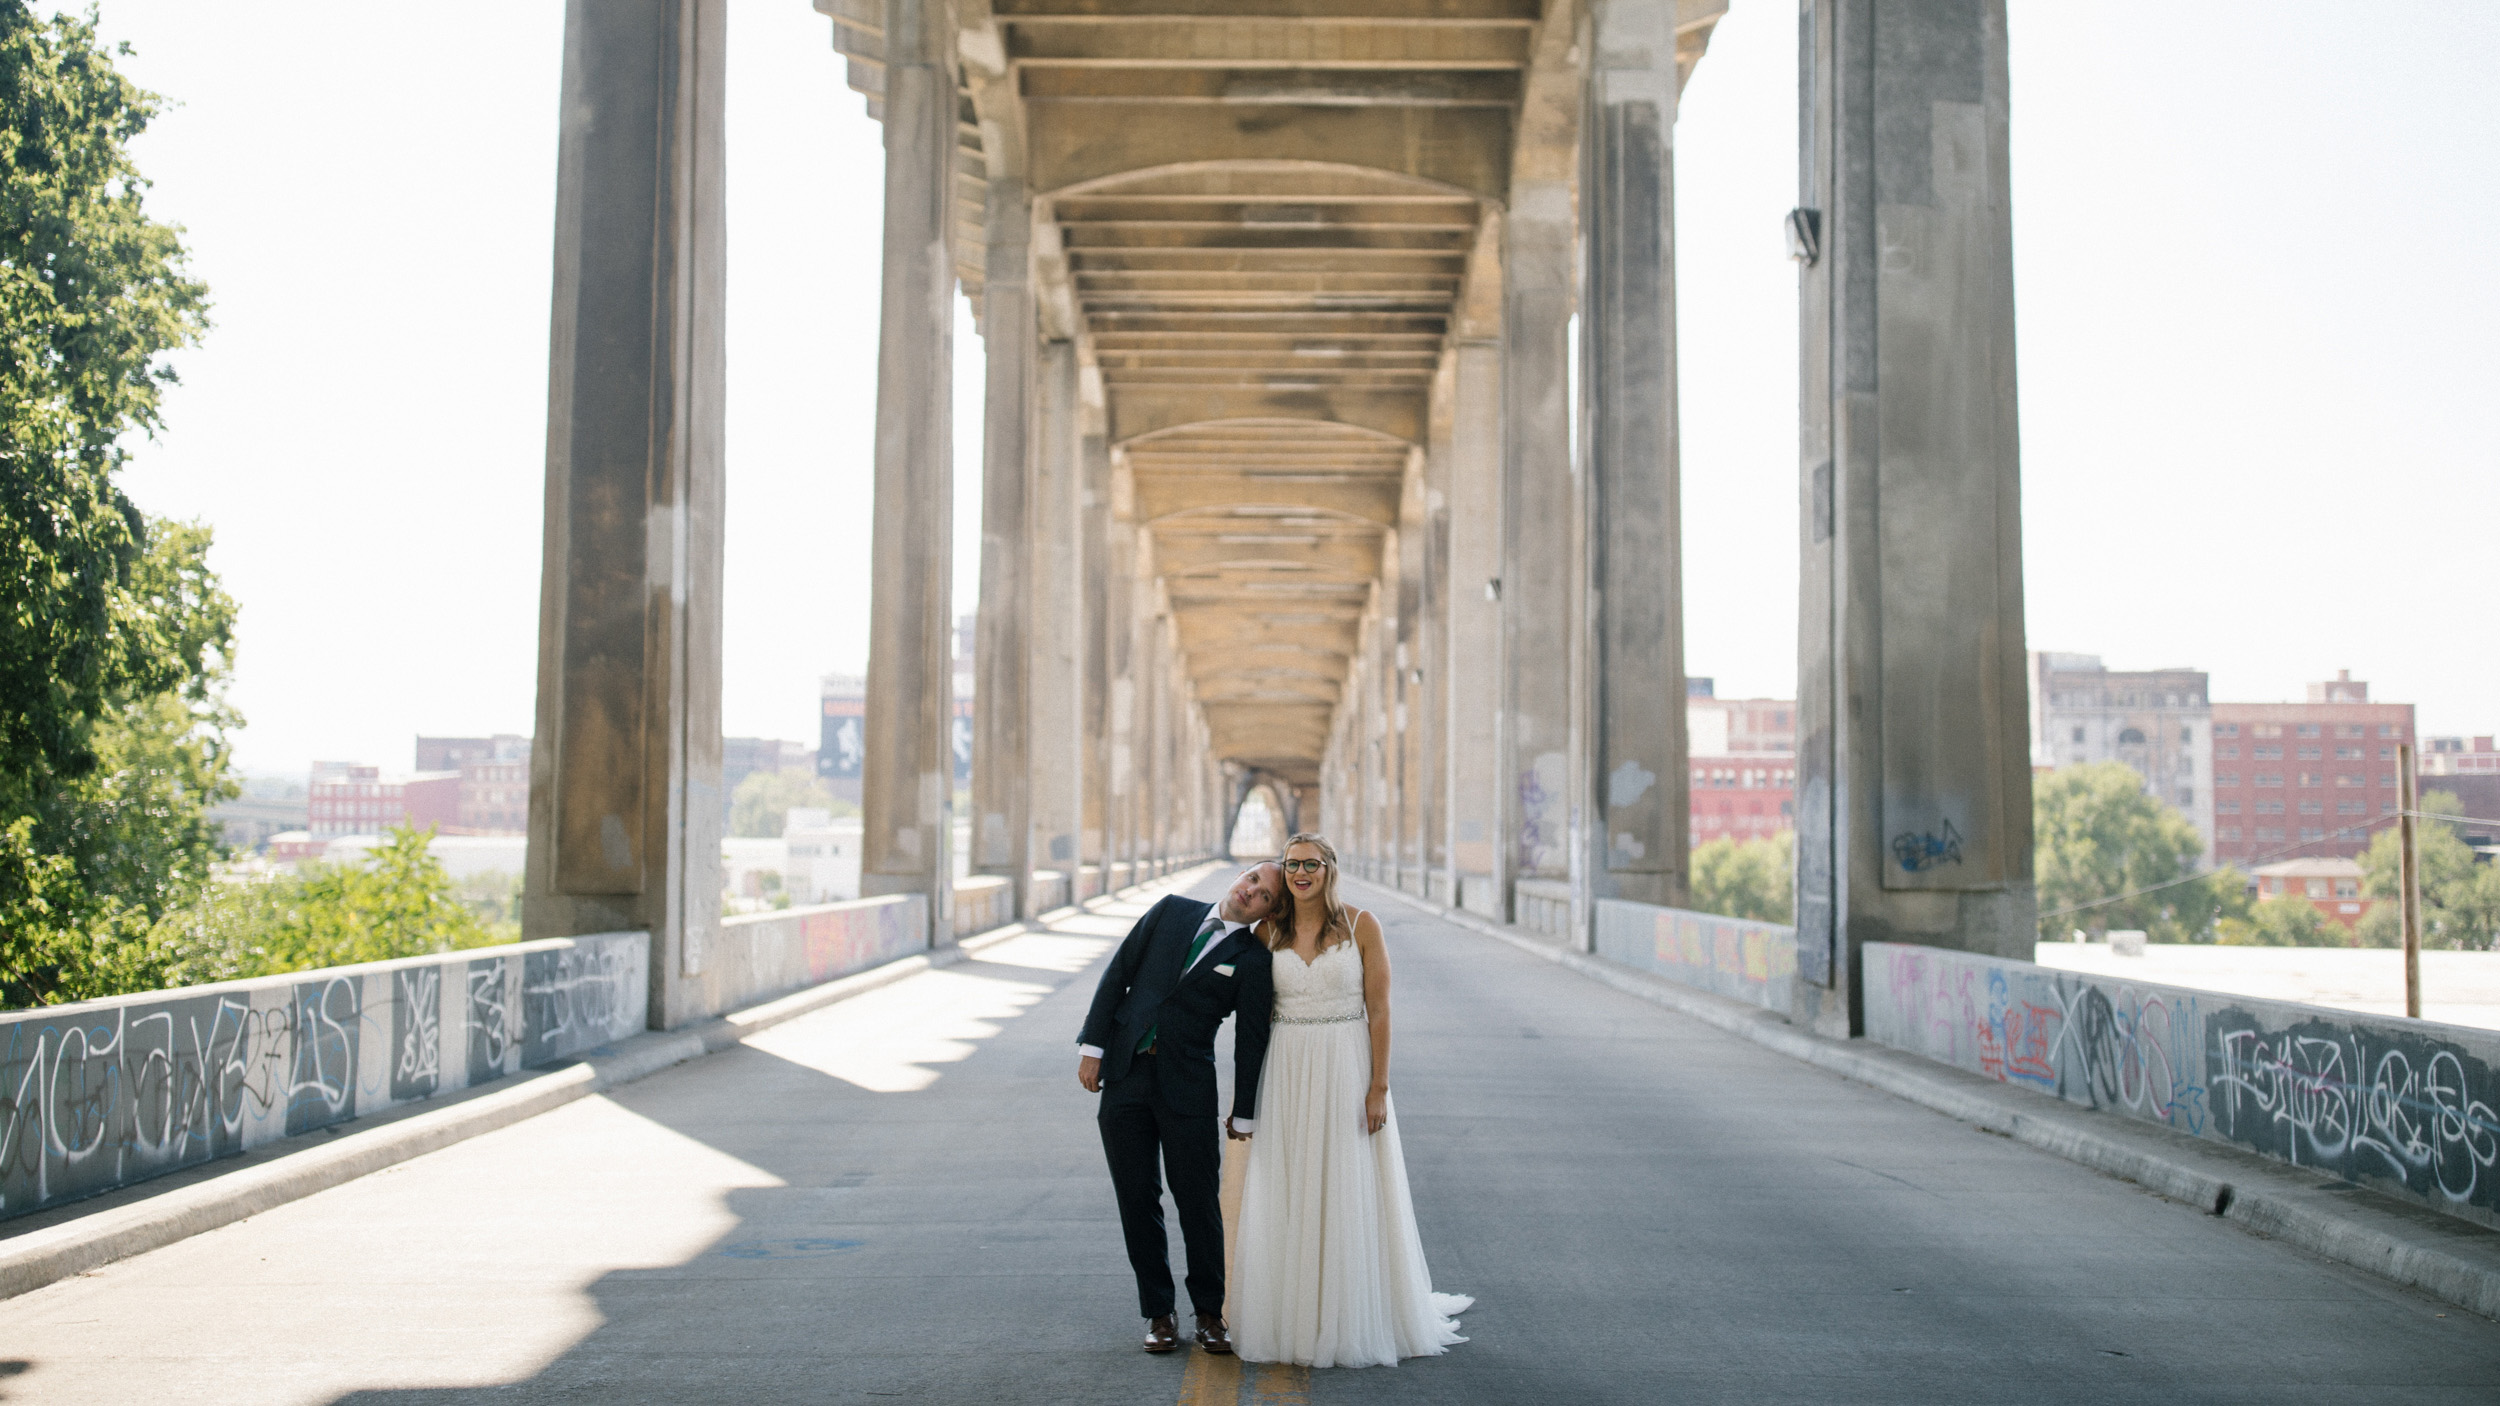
x,y
1055,678
625,803
1094,459
1636,807
1003,626
1541,530
1406,669
1120,709
1914,781
1474,741
907,784
1430,700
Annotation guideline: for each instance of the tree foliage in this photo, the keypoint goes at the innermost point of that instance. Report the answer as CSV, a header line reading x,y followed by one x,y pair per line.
x,y
2286,920
114,634
764,799
2106,855
92,293
1749,879
399,902
2460,895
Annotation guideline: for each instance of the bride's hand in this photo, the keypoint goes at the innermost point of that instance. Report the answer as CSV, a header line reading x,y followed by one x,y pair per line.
x,y
1376,1110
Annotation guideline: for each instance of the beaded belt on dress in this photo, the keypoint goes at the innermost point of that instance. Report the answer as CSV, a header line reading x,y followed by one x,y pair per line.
x,y
1321,1019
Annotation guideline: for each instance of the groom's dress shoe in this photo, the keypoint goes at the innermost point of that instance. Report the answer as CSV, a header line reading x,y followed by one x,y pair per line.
x,y
1211,1333
1163,1335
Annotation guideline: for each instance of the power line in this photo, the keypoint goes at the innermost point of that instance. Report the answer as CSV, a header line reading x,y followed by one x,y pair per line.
x,y
2262,858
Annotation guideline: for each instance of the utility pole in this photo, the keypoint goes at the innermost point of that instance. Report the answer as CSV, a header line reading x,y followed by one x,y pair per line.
x,y
2409,879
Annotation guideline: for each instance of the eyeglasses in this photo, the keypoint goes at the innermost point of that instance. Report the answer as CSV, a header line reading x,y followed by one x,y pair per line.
x,y
1305,866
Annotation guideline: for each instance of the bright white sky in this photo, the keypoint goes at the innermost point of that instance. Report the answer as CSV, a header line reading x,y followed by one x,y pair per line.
x,y
2253,308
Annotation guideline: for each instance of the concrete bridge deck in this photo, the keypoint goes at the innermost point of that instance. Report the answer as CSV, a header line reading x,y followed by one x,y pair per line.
x,y
901,1198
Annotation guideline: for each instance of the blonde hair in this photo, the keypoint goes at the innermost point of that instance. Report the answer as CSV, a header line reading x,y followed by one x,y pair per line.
x,y
1281,924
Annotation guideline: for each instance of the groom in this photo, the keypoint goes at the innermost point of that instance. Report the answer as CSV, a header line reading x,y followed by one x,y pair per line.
x,y
1149,1048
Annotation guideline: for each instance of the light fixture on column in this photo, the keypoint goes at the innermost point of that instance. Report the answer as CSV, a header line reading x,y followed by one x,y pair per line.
x,y
1805,236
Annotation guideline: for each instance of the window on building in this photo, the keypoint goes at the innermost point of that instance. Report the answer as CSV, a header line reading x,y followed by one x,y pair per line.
x,y
2348,729
2387,779
2267,730
2311,778
2269,807
2389,808
2347,754
2312,808
2226,729
2226,807
2078,734
2269,778
2187,795
2388,730
2310,754
2308,729
2387,754
2268,754
2269,832
2316,888
2230,832
2352,807
2226,778
2130,737
2347,888
2187,737
2228,754
2312,833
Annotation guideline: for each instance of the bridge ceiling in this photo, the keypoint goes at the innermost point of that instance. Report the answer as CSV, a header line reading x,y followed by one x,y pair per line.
x,y
1265,210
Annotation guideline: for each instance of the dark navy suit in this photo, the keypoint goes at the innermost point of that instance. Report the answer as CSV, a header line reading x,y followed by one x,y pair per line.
x,y
1160,1107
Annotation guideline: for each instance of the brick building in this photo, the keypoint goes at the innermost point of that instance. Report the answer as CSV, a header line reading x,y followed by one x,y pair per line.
x,y
347,799
2457,756
2157,721
2309,780
1744,764
2332,886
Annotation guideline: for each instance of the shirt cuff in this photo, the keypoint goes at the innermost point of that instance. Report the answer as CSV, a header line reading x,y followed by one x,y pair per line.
x,y
1090,1051
1244,1125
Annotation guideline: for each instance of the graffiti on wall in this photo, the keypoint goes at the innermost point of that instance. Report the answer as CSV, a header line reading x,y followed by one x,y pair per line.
x,y
101,1094
1750,961
857,936
2399,1103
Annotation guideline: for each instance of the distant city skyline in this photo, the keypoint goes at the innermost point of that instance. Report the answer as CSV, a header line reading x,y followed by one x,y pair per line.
x,y
2249,296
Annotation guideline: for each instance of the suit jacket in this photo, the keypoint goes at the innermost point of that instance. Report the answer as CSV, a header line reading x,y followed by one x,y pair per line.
x,y
1145,988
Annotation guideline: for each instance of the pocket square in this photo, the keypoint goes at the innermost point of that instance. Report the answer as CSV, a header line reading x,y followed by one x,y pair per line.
x,y
1224,970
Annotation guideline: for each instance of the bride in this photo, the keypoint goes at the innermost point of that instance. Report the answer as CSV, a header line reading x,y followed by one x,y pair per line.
x,y
1330,1271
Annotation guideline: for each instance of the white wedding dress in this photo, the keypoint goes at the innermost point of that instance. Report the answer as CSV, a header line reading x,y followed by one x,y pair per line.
x,y
1329,1271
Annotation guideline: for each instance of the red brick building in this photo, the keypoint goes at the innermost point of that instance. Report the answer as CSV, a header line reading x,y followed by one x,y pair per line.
x,y
1743,798
2332,886
2307,780
358,800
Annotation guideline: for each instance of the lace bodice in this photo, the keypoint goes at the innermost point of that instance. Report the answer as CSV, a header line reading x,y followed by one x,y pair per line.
x,y
1325,990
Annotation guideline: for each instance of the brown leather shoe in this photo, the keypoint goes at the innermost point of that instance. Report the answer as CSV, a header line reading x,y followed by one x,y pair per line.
x,y
1162,1334
1211,1335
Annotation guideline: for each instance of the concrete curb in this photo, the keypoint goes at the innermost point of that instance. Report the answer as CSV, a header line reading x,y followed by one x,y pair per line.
x,y
221,1193
2450,1259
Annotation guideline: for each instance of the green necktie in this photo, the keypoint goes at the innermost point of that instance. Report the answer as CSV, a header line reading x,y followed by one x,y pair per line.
x,y
1215,924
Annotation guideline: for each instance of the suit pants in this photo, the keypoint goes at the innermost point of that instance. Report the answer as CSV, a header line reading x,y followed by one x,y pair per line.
x,y
1138,1130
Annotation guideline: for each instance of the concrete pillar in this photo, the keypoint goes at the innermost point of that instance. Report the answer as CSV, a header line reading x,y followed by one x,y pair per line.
x,y
1094,458
625,803
1541,531
907,785
1003,626
1406,676
1431,696
1636,806
1473,743
1055,678
1914,781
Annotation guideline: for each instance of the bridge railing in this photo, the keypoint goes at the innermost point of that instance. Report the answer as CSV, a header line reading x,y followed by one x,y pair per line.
x,y
2405,1106
1734,957
99,1094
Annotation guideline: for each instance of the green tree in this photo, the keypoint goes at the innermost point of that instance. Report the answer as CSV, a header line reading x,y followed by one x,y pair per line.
x,y
114,635
1753,879
92,293
2106,855
2460,895
398,902
2284,921
764,800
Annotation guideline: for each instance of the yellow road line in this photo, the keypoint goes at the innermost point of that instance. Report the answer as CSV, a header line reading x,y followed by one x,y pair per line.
x,y
1281,1384
1211,1379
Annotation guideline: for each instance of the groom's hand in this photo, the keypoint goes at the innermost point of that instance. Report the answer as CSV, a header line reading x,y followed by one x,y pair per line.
x,y
1232,1132
1089,1073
